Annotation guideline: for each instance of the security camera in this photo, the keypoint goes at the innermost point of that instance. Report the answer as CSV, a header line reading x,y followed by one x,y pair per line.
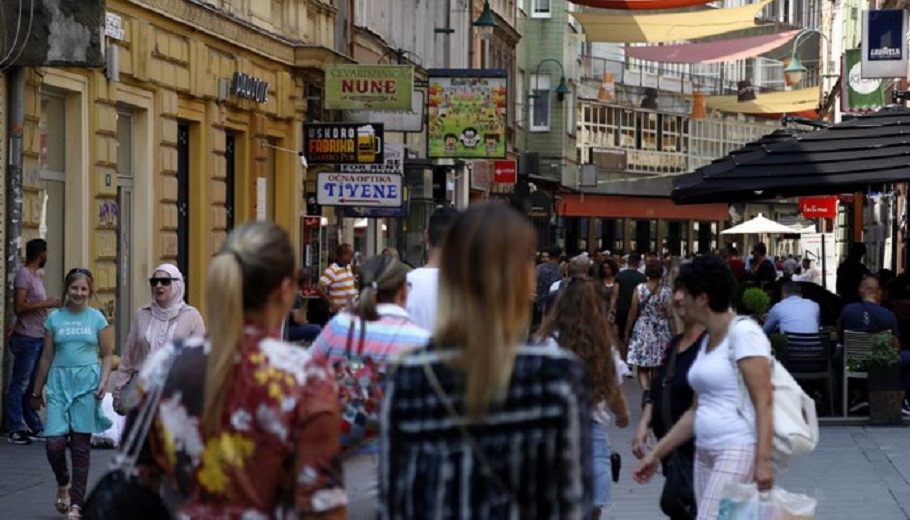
x,y
303,161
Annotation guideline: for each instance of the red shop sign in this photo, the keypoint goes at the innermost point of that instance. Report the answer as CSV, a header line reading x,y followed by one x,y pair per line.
x,y
505,172
818,207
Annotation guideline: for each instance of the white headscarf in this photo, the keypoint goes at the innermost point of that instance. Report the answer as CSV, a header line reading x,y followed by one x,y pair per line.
x,y
161,327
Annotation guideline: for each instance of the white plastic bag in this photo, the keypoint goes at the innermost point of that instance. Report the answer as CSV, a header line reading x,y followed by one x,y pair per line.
x,y
745,502
110,438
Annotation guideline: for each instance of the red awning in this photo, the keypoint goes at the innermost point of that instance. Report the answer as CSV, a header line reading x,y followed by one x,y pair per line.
x,y
639,4
713,51
588,205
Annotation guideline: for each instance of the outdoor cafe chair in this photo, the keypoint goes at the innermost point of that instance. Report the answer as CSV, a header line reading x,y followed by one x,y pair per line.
x,y
808,359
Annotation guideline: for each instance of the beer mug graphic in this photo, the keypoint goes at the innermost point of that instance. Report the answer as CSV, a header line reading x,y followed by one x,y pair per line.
x,y
368,145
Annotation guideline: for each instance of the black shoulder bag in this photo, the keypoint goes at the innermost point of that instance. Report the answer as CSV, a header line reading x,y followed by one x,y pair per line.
x,y
119,494
677,500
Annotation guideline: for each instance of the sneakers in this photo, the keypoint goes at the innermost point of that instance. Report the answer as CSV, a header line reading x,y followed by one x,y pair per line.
x,y
19,438
36,435
905,408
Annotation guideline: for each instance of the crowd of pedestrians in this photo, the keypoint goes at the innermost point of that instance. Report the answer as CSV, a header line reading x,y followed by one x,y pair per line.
x,y
483,384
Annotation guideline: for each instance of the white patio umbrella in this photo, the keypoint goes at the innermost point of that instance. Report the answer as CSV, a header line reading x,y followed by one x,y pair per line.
x,y
759,225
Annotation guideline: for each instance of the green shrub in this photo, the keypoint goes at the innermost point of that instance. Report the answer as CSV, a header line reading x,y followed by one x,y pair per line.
x,y
756,301
880,355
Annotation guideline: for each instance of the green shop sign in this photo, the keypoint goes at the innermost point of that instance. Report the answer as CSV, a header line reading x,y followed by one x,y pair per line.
x,y
369,87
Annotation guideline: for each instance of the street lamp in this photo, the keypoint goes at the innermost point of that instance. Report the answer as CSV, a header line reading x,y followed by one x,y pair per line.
x,y
485,23
562,89
795,69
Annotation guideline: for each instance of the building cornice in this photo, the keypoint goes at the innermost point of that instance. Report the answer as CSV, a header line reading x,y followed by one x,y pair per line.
x,y
207,19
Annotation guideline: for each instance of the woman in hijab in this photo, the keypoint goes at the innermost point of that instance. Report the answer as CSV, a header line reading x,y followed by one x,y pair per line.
x,y
165,318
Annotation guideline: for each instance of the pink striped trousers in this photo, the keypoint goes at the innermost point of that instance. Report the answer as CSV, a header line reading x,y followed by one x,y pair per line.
x,y
714,469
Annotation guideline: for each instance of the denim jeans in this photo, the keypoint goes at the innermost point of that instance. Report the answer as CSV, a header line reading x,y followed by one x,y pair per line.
x,y
19,412
603,473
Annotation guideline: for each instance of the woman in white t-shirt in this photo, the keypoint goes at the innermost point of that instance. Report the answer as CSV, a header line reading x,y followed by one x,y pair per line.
x,y
729,446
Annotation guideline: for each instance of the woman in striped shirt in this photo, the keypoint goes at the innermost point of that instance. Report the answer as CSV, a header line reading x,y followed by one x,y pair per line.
x,y
480,424
378,328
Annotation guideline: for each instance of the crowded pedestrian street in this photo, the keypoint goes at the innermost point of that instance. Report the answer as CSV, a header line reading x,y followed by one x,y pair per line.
x,y
856,473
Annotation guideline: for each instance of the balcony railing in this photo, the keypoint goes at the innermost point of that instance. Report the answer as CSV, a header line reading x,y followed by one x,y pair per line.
x,y
635,140
766,75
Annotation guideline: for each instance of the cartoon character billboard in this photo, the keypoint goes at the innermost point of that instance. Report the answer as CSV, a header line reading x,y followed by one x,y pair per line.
x,y
467,113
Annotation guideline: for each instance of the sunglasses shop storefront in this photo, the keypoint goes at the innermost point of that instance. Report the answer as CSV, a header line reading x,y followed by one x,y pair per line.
x,y
156,161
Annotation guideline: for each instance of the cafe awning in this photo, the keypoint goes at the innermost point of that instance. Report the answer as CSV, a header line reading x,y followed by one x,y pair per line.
x,y
780,102
713,51
856,155
654,28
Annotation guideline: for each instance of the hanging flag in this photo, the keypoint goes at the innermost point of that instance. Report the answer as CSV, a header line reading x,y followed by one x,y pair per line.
x,y
858,94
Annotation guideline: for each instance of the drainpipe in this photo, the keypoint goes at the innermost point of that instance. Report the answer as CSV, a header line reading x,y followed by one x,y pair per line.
x,y
470,34
16,106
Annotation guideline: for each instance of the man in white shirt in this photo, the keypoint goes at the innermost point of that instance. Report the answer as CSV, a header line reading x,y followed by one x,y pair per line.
x,y
809,273
423,283
793,313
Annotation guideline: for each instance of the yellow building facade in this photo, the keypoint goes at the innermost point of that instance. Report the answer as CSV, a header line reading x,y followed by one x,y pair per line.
x,y
190,130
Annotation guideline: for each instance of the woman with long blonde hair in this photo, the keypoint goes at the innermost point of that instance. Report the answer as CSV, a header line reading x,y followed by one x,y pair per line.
x,y
470,423
578,323
247,426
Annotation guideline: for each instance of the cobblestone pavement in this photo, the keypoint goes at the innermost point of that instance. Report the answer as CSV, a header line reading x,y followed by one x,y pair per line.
x,y
856,473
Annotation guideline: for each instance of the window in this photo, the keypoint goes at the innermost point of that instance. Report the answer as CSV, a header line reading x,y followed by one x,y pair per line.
x,y
540,102
541,9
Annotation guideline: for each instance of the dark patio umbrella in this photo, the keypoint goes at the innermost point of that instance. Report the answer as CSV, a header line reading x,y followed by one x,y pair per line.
x,y
855,155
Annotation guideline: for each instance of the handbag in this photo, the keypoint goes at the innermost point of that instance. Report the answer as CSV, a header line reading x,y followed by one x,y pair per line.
x,y
677,499
795,422
119,494
359,383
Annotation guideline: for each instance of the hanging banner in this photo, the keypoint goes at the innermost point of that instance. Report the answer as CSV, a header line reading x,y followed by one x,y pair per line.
x,y
884,44
373,87
333,143
467,113
859,94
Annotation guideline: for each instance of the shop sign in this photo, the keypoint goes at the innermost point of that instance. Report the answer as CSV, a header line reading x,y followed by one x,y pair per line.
x,y
505,172
818,207
859,94
392,162
358,189
113,26
467,111
374,87
339,143
884,43
248,87
394,120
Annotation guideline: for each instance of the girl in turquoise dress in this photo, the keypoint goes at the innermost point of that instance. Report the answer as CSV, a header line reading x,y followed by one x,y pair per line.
x,y
75,336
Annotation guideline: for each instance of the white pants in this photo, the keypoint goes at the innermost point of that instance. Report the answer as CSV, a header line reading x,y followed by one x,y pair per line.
x,y
361,484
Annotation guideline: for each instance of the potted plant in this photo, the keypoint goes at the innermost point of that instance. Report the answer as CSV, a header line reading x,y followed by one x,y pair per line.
x,y
882,364
756,302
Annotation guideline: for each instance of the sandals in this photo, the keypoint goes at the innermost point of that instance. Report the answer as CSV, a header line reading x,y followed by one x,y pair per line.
x,y
74,514
62,504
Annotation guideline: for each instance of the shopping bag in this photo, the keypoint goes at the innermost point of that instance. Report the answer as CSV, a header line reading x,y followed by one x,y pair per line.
x,y
110,438
745,502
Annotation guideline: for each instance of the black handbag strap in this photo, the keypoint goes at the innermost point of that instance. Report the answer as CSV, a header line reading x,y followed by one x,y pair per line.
x,y
470,439
363,333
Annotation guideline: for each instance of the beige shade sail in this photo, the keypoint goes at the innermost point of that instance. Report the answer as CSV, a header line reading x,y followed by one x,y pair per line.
x,y
655,28
782,102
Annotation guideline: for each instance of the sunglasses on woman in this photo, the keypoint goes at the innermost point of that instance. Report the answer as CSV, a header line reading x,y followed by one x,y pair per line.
x,y
165,282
